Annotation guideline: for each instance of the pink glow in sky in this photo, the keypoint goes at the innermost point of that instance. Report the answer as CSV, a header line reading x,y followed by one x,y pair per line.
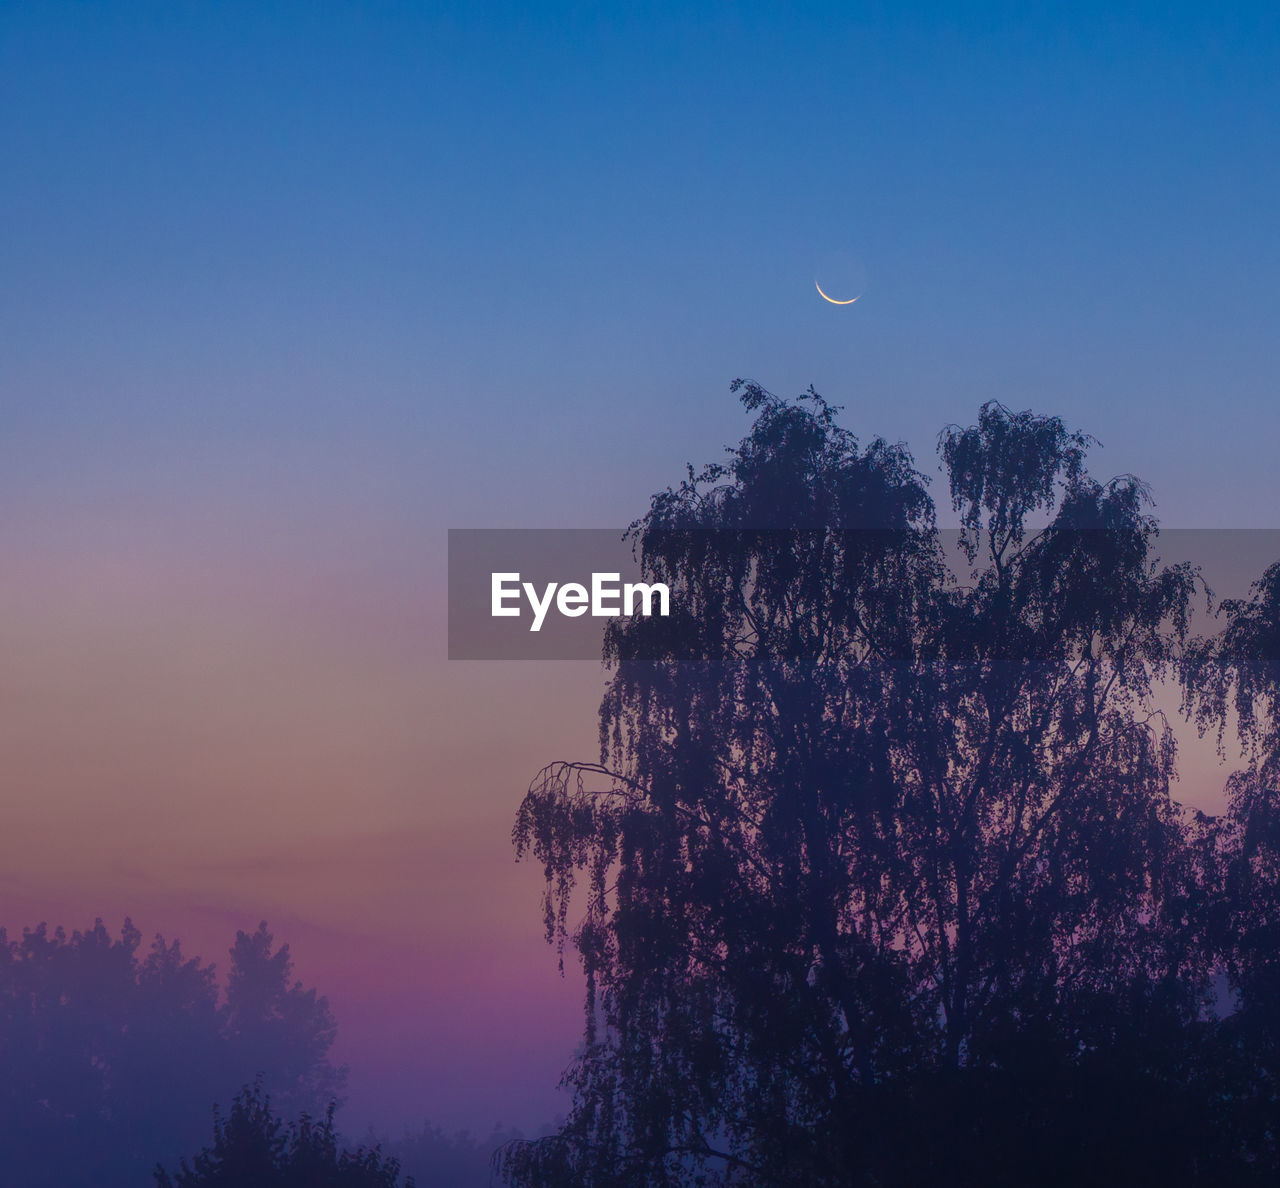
x,y
200,737
205,729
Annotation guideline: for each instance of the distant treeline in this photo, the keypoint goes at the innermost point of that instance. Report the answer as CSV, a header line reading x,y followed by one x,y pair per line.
x,y
113,1058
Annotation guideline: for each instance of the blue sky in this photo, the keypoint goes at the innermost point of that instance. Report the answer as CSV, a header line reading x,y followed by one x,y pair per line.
x,y
467,245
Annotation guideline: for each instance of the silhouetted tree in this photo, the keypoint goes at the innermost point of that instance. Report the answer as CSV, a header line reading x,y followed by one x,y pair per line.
x,y
110,1059
254,1148
884,882
275,1023
1236,674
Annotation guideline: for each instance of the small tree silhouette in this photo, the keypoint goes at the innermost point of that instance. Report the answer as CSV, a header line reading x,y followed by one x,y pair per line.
x,y
254,1148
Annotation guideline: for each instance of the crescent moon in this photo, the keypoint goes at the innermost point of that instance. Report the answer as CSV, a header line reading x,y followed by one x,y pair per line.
x,y
832,299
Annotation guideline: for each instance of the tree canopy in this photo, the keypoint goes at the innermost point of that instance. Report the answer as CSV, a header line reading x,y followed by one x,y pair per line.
x,y
112,1058
879,878
254,1148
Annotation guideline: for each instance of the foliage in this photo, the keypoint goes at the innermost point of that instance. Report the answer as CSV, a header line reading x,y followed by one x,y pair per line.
x,y
1237,673
112,1058
254,1148
884,881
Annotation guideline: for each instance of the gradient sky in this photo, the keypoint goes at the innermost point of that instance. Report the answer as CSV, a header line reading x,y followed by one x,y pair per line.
x,y
287,291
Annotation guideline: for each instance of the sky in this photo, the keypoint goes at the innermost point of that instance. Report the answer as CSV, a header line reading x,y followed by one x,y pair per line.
x,y
288,291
